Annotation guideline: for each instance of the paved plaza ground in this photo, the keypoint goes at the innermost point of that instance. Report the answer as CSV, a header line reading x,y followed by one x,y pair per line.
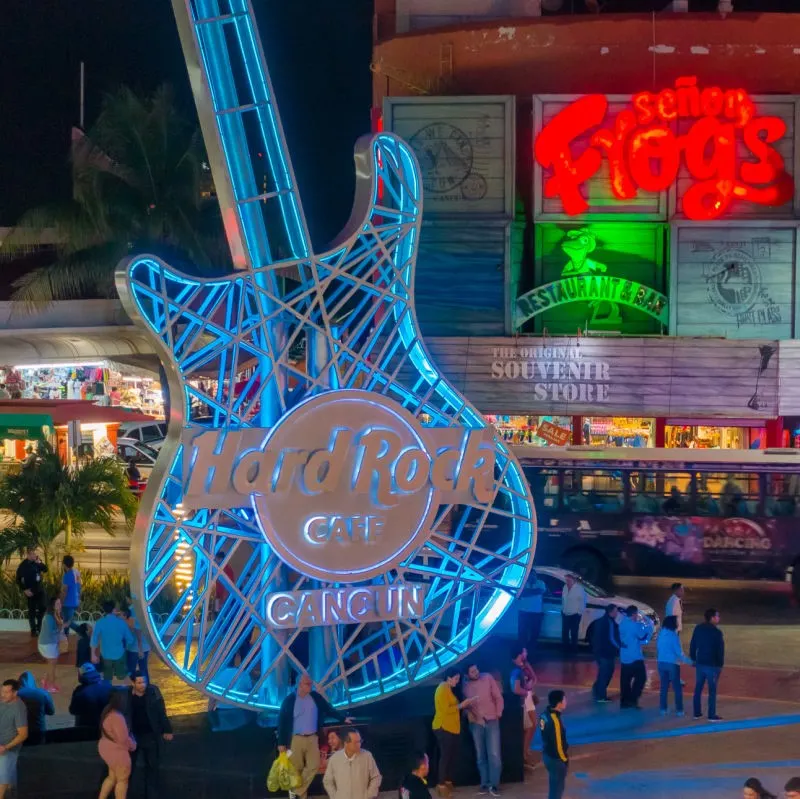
x,y
614,754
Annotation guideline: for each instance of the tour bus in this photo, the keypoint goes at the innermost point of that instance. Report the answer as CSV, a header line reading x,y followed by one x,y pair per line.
x,y
667,512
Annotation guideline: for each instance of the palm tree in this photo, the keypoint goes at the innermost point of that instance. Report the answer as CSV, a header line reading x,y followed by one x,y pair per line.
x,y
137,180
48,498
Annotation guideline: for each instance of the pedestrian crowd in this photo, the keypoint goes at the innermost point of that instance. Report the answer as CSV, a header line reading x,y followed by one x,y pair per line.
x,y
116,701
113,701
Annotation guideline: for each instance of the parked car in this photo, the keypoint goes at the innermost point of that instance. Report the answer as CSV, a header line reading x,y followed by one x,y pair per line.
x,y
597,601
143,455
150,433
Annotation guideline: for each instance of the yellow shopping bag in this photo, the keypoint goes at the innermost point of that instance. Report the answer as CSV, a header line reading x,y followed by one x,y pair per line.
x,y
283,776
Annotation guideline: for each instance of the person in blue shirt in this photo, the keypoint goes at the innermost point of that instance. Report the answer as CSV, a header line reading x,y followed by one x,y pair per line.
x,y
71,592
635,630
111,638
39,704
670,657
139,647
531,611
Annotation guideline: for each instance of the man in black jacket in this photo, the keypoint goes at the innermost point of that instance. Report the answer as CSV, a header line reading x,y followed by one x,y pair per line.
x,y
415,784
300,721
555,749
29,577
707,650
605,645
148,722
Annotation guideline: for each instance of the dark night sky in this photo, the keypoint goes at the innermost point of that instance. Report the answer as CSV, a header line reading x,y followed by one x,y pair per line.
x,y
318,52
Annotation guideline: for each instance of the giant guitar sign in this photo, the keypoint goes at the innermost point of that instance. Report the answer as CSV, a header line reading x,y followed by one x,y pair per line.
x,y
334,514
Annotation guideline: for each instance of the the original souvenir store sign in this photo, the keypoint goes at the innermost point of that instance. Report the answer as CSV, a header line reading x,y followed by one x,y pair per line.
x,y
701,129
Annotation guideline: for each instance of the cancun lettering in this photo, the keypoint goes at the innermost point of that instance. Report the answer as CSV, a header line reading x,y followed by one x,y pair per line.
x,y
645,151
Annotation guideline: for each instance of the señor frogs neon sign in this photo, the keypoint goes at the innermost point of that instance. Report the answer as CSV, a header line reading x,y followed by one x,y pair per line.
x,y
645,151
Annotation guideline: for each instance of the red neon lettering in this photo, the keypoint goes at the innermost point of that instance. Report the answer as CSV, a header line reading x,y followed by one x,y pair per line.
x,y
644,151
553,151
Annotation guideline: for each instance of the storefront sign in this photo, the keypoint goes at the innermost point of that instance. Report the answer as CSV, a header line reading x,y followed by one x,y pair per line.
x,y
603,293
553,434
645,151
558,373
345,486
325,607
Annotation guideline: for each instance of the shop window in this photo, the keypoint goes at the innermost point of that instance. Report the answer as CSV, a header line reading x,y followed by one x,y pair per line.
x,y
618,431
783,495
690,437
520,430
727,494
667,493
586,491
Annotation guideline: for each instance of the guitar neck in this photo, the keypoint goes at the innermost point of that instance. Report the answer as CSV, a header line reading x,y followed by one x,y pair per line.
x,y
247,152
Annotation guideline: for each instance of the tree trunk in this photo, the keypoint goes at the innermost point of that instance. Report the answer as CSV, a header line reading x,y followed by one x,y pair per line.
x,y
67,535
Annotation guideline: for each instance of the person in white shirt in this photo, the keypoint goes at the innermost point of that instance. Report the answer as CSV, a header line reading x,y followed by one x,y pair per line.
x,y
675,605
352,772
573,603
531,612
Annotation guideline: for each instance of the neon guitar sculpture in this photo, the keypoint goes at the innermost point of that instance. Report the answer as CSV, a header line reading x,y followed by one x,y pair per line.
x,y
352,308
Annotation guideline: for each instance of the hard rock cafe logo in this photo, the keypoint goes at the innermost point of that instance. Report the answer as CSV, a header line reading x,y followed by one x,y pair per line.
x,y
646,146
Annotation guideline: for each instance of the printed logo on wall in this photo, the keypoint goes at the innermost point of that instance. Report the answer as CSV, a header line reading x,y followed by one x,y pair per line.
x,y
350,513
735,282
453,161
584,279
645,152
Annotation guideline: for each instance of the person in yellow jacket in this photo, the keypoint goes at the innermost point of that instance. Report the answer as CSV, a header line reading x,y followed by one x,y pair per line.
x,y
447,728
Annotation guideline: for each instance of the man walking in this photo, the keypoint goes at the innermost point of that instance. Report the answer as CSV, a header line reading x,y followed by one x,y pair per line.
x,y
634,632
415,784
13,733
352,772
675,605
573,603
70,592
531,612
555,749
29,577
148,722
707,650
300,719
484,725
606,646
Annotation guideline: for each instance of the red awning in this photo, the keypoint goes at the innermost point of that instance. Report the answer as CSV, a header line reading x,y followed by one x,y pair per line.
x,y
65,411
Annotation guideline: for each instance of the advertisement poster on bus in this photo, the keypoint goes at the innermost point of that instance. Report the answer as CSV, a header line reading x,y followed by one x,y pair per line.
x,y
697,539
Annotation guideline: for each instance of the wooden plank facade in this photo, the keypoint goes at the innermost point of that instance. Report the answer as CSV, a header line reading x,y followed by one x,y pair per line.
x,y
644,377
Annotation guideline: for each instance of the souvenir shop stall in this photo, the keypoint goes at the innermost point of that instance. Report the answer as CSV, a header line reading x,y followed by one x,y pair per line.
x,y
101,382
536,431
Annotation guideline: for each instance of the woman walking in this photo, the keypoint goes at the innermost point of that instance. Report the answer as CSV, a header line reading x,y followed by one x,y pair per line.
x,y
115,747
670,657
49,636
447,729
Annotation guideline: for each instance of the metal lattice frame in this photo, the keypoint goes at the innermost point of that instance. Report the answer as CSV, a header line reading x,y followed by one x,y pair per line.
x,y
353,306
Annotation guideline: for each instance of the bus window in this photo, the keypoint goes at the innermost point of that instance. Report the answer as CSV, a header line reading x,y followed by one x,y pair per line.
x,y
783,495
661,492
544,486
598,490
727,494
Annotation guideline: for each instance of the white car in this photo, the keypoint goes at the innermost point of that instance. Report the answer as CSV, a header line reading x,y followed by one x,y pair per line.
x,y
554,579
150,433
142,455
